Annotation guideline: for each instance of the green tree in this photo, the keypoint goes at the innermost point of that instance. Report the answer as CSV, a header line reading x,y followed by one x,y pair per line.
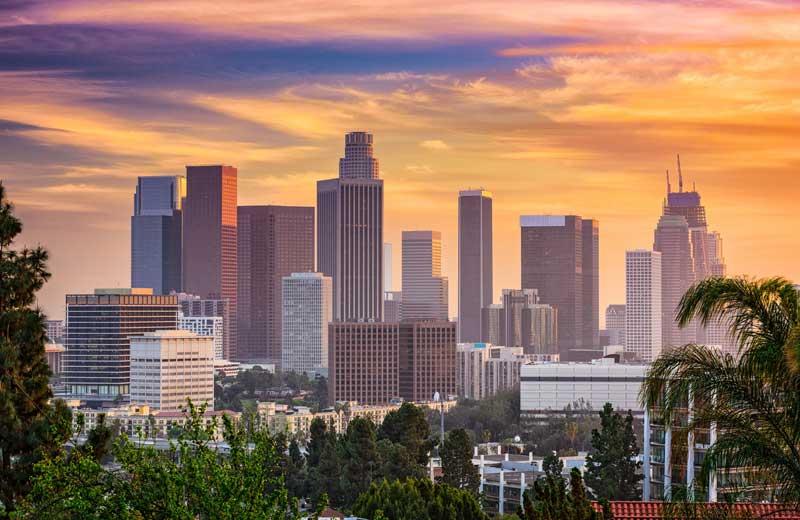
x,y
409,427
612,469
192,481
552,465
550,499
29,427
295,473
419,499
360,453
99,440
457,468
753,401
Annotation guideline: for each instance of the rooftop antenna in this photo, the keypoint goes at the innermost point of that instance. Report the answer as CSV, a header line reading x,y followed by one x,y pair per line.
x,y
680,175
669,188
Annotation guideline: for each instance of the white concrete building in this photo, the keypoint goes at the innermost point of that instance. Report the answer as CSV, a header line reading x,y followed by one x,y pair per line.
x,y
643,315
169,366
205,326
483,369
547,388
307,310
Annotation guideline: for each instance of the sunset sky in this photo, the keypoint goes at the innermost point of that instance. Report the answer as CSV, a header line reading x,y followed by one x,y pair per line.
x,y
554,106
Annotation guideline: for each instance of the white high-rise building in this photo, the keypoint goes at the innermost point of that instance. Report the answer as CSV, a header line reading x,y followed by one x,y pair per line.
x,y
307,311
643,316
424,287
170,366
205,326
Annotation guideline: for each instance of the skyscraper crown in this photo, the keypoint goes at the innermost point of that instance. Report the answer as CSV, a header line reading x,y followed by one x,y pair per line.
x,y
358,162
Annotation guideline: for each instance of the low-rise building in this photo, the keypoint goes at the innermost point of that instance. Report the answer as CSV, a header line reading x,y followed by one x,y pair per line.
x,y
54,352
547,388
143,421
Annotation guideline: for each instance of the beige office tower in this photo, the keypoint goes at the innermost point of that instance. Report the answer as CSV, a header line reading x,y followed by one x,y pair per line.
x,y
425,295
168,367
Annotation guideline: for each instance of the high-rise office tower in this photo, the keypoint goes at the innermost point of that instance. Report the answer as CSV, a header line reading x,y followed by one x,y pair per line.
x,y
424,287
274,241
643,304
170,366
350,232
392,306
209,326
374,363
673,240
387,267
194,309
209,239
685,264
521,321
156,233
615,324
554,249
427,360
99,327
475,289
591,284
307,311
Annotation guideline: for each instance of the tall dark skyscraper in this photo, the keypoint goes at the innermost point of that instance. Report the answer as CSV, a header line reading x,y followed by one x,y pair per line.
x,y
209,238
274,241
350,232
156,233
475,290
559,259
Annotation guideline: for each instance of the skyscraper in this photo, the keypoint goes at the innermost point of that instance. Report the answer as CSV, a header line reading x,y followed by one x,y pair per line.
x,y
387,267
392,306
475,289
307,311
559,259
685,264
209,239
156,233
521,321
194,309
273,242
99,327
615,324
350,232
643,304
424,287
673,241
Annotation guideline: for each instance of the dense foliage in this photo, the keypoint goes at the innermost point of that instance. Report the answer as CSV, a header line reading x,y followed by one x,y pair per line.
x,y
30,428
417,499
257,384
493,419
753,400
457,468
551,499
342,466
612,471
192,480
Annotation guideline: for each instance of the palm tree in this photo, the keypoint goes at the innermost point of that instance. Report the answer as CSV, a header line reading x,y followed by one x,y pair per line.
x,y
754,401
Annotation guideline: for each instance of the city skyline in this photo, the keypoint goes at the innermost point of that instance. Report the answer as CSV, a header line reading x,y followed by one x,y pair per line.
x,y
561,111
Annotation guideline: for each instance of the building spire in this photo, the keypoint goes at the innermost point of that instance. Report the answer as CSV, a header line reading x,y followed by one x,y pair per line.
x,y
680,175
669,188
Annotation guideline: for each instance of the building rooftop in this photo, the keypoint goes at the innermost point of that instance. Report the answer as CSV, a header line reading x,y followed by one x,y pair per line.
x,y
542,220
124,290
622,510
480,192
